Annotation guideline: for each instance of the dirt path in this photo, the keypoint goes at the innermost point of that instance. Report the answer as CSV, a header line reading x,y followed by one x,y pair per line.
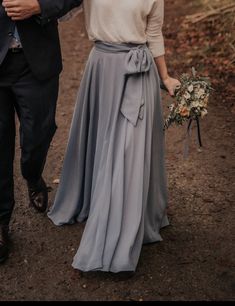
x,y
194,262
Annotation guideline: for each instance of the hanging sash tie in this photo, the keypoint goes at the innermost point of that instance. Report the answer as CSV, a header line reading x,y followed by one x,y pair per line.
x,y
137,62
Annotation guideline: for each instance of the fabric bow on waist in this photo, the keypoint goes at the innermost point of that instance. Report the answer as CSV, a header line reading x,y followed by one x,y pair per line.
x,y
138,61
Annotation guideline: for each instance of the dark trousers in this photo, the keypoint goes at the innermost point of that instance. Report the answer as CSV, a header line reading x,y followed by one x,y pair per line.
x,y
34,102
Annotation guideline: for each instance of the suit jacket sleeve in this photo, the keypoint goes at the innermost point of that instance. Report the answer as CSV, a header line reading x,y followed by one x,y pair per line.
x,y
54,9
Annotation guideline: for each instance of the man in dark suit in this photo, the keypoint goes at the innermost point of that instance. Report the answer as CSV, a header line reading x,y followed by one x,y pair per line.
x,y
30,64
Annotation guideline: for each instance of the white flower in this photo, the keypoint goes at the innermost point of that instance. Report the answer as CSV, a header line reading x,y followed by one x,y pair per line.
x,y
201,92
187,96
183,101
195,104
190,88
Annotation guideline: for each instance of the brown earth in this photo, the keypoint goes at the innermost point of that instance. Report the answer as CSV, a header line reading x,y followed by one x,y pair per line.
x,y
195,260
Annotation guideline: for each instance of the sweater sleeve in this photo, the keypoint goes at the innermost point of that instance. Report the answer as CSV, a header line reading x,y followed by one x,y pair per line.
x,y
155,20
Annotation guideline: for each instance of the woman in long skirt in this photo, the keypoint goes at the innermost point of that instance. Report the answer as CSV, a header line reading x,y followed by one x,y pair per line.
x,y
113,175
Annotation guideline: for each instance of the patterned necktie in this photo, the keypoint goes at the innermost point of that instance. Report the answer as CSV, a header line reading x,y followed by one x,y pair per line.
x,y
16,35
15,42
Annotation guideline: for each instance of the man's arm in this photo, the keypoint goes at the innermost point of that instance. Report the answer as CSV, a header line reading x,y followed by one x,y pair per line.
x,y
57,8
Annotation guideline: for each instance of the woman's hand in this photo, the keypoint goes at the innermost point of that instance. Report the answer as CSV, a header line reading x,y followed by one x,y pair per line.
x,y
171,84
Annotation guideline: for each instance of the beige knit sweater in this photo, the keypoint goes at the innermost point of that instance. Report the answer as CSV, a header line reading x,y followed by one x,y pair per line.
x,y
130,21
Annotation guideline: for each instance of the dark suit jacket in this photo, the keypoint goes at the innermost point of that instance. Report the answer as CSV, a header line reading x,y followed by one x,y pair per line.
x,y
39,37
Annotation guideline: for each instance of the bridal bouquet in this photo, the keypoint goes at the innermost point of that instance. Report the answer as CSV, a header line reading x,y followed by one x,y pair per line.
x,y
191,100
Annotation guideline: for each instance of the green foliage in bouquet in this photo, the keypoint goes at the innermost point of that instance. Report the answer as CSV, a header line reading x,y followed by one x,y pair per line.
x,y
191,99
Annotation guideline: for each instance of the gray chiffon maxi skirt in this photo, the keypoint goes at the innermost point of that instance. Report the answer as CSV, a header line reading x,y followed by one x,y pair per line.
x,y
113,175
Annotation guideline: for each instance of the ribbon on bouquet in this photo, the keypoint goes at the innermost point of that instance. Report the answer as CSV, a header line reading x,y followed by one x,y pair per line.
x,y
188,134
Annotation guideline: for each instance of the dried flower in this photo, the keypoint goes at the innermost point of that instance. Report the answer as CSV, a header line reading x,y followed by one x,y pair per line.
x,y
184,112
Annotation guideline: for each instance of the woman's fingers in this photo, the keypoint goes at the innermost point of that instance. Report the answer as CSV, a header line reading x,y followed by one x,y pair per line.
x,y
171,85
171,91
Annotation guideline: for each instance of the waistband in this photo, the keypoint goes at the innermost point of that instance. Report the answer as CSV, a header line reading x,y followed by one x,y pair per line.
x,y
138,58
116,47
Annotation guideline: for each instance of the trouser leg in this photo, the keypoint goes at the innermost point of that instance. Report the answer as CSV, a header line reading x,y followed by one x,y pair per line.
x,y
7,149
35,102
36,108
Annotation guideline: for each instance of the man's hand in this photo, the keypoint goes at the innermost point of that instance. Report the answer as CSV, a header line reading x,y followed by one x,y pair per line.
x,y
21,9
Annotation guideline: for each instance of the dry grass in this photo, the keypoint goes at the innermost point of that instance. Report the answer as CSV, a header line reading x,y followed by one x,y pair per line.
x,y
211,35
217,16
206,39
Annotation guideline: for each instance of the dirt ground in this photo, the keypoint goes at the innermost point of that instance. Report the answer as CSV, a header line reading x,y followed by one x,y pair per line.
x,y
195,260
